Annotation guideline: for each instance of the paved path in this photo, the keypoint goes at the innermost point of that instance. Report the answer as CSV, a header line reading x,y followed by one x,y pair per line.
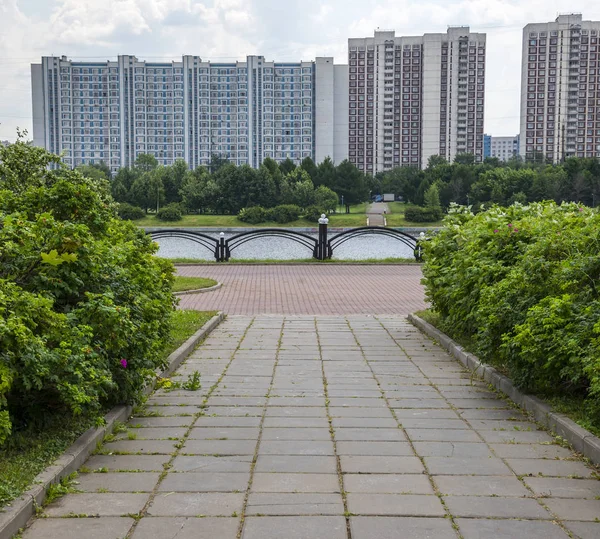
x,y
309,289
375,213
335,428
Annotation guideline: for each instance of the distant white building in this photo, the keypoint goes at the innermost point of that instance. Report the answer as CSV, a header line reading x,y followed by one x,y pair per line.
x,y
504,147
190,109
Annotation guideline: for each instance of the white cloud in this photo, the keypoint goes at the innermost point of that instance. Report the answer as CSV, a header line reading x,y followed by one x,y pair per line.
x,y
281,30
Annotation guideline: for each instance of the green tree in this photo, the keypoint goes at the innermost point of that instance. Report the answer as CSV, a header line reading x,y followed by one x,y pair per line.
x,y
464,159
309,166
146,162
325,198
432,198
287,166
122,183
95,172
148,191
326,173
173,178
303,193
351,184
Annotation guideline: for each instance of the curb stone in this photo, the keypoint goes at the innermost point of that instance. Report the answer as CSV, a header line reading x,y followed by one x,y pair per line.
x,y
198,290
16,515
581,440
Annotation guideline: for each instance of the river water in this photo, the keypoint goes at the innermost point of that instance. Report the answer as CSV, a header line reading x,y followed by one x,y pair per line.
x,y
361,248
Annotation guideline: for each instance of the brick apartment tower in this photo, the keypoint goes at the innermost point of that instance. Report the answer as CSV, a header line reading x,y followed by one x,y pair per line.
x,y
414,97
560,89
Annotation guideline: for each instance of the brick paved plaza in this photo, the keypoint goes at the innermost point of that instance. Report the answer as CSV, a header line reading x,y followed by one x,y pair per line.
x,y
309,289
328,427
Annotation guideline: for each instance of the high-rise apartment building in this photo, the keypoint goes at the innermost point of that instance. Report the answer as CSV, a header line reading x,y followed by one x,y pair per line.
x,y
560,89
504,148
190,109
414,97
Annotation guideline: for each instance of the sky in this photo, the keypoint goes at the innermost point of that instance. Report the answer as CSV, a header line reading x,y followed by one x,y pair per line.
x,y
280,30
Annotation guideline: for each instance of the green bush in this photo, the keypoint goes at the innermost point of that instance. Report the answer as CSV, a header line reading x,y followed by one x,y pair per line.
x,y
286,213
170,212
130,212
253,215
521,284
313,213
417,214
84,304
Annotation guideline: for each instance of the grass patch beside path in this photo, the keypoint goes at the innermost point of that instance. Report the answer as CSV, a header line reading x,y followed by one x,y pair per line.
x,y
182,284
31,451
356,217
572,406
184,324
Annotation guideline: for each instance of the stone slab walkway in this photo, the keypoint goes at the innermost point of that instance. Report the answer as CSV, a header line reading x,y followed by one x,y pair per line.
x,y
309,289
375,213
329,427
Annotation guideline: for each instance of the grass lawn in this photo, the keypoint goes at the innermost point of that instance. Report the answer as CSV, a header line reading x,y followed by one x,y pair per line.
x,y
192,283
33,450
356,217
572,406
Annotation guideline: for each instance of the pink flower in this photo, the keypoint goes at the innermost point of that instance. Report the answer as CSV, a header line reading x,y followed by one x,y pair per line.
x,y
496,231
124,363
580,209
509,225
515,230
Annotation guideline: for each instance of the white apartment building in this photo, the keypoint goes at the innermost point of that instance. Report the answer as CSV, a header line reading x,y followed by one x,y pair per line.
x,y
560,89
189,109
504,148
414,97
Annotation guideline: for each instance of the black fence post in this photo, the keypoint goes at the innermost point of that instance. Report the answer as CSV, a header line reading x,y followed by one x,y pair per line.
x,y
222,256
322,247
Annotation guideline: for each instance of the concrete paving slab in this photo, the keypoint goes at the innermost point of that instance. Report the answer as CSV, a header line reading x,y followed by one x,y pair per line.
x,y
395,505
509,529
411,528
186,528
213,504
90,528
313,527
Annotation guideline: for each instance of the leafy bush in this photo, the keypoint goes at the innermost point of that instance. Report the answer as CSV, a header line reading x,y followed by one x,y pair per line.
x,y
170,212
253,215
84,304
417,214
130,212
286,213
521,283
313,213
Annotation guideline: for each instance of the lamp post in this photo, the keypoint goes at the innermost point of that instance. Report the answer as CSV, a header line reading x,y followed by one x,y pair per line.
x,y
322,247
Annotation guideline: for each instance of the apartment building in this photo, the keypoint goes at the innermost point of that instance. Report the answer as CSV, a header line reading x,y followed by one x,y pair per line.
x,y
414,97
560,89
504,147
189,109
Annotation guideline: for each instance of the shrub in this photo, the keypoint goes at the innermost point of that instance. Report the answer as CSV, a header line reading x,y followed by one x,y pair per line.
x,y
130,212
170,212
313,213
253,215
521,284
417,214
84,304
286,213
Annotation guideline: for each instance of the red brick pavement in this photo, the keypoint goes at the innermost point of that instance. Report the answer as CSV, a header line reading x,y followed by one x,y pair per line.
x,y
309,289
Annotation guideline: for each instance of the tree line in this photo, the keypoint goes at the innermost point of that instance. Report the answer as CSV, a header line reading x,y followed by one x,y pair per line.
x,y
493,181
225,188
